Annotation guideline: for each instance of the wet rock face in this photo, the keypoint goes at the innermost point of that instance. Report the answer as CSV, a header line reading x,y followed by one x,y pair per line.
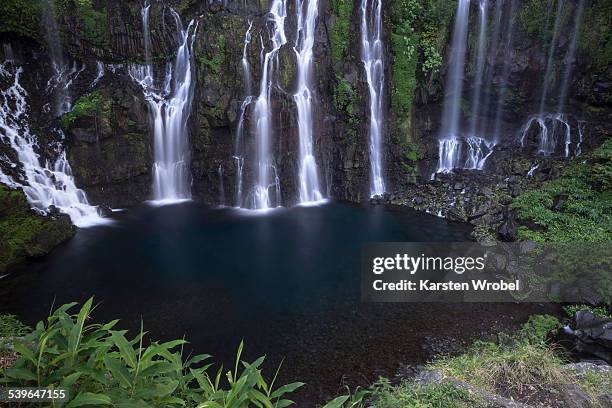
x,y
110,148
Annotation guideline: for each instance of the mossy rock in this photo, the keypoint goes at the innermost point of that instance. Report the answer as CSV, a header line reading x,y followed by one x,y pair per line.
x,y
25,233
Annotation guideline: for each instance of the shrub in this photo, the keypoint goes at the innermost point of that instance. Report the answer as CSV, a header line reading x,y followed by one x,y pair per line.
x,y
10,326
571,310
586,213
102,367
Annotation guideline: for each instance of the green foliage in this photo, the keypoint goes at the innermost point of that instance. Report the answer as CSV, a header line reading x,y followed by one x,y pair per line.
x,y
346,99
25,233
586,213
20,16
418,35
10,326
571,310
93,22
515,364
214,60
102,367
339,33
414,396
537,328
595,39
93,103
537,19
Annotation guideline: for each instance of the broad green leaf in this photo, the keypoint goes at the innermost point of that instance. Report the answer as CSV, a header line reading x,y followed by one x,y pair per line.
x,y
337,402
89,398
286,389
22,349
21,374
118,371
284,403
126,350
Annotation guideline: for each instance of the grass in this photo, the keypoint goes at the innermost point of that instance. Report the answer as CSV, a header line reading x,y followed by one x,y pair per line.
x,y
415,396
10,326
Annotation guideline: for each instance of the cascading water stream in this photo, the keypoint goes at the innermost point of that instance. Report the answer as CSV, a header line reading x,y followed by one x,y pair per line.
x,y
569,58
551,124
170,109
264,160
44,186
239,140
551,54
372,51
505,72
480,63
308,172
449,145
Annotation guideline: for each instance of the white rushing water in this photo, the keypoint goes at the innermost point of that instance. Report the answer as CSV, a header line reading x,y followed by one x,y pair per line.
x,y
551,54
372,51
553,127
170,108
480,64
449,145
307,11
239,148
570,57
267,177
48,184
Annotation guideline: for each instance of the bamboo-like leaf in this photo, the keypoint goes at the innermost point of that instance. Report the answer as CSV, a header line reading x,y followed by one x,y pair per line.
x,y
337,402
23,350
77,331
284,403
20,374
118,371
286,389
127,352
89,398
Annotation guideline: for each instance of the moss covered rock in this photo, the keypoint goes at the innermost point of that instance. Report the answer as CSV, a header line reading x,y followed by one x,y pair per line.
x,y
24,233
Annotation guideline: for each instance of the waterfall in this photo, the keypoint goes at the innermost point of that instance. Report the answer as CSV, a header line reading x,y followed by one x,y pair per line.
x,y
493,49
551,54
505,73
246,69
372,51
51,184
480,63
449,145
550,125
221,185
239,142
263,113
99,73
304,42
170,108
479,150
569,58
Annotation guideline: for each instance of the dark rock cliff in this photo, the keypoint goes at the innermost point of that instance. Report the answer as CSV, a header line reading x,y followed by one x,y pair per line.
x,y
110,144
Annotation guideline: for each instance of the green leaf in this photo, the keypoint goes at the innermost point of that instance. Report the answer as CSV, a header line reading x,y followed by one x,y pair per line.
x,y
89,398
77,330
286,389
118,370
337,402
22,349
21,374
283,403
126,350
